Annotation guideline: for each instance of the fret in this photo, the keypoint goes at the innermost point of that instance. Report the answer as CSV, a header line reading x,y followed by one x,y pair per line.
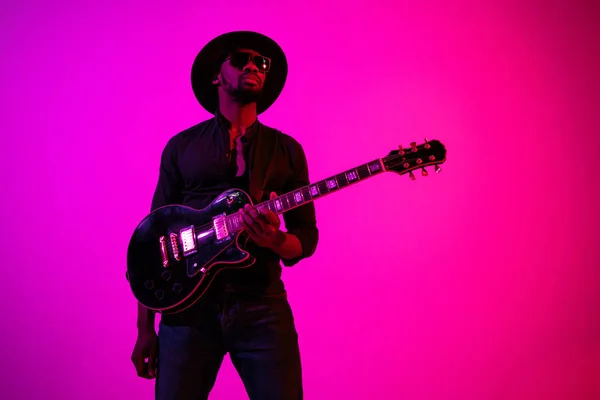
x,y
290,199
232,224
314,190
322,185
341,180
285,202
278,205
261,207
306,194
331,184
363,171
268,205
298,198
374,167
352,176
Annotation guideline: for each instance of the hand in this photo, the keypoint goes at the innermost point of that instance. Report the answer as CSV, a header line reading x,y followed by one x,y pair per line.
x,y
262,227
146,347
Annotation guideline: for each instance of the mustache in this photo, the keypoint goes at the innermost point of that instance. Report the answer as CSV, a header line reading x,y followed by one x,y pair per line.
x,y
253,75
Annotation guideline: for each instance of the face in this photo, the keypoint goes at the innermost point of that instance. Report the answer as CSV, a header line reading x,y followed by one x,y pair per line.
x,y
242,80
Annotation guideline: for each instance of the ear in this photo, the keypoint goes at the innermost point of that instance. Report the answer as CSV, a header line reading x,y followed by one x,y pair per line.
x,y
216,79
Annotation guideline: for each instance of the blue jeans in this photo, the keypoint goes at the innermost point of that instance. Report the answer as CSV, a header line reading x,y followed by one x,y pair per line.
x,y
257,331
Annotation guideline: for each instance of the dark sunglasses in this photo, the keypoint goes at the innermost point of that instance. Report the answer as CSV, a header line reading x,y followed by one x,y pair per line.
x,y
240,59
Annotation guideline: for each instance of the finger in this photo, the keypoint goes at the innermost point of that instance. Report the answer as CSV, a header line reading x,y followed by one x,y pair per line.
x,y
253,212
248,223
259,219
269,220
140,365
273,196
152,362
272,219
264,211
250,232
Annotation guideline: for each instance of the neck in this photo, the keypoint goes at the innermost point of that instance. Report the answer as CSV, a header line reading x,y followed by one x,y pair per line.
x,y
240,116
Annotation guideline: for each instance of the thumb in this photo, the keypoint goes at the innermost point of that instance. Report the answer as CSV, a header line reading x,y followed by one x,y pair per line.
x,y
273,196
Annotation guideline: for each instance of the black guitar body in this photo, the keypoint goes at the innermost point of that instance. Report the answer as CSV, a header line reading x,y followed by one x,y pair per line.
x,y
160,276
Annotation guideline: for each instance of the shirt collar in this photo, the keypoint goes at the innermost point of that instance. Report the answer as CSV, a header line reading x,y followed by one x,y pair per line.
x,y
226,125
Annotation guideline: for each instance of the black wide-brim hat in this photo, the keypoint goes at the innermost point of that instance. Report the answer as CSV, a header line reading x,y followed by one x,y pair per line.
x,y
205,64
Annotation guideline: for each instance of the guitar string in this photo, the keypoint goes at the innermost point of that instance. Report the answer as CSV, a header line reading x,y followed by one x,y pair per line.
x,y
390,165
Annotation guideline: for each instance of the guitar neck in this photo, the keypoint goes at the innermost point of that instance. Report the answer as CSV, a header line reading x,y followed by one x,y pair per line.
x,y
309,193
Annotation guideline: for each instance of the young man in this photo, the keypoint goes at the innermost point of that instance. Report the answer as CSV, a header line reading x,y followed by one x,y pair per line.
x,y
236,76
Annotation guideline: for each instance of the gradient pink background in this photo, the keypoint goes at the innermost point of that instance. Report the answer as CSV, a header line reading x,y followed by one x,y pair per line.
x,y
478,283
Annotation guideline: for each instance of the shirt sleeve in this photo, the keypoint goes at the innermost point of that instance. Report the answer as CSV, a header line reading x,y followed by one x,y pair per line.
x,y
170,183
301,221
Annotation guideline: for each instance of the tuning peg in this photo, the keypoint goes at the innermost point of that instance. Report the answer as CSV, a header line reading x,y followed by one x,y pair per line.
x,y
424,172
427,145
414,146
401,150
412,176
437,169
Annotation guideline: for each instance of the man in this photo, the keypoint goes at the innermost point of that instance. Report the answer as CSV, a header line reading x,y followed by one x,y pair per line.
x,y
236,76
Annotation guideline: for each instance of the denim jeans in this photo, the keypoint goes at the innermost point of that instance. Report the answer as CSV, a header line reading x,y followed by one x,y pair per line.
x,y
257,331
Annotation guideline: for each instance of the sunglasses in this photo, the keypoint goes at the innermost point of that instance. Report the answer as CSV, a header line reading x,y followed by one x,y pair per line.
x,y
240,59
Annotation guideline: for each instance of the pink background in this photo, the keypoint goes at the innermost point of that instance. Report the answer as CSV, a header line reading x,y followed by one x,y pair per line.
x,y
478,283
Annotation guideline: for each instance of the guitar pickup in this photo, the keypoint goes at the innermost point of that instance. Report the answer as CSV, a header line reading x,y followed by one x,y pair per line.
x,y
188,241
220,224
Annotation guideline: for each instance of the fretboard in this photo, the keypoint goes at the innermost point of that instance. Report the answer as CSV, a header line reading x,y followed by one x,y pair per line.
x,y
306,194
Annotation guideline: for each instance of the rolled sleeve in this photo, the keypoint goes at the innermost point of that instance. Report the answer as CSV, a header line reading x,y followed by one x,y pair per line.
x,y
301,221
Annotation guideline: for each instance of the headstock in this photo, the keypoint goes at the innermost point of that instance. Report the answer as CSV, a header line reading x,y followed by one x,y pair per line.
x,y
415,157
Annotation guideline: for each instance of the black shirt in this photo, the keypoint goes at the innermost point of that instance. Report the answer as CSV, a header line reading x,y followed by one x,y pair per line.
x,y
197,165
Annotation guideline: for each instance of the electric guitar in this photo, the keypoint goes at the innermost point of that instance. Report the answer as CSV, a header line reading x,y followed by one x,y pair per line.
x,y
176,251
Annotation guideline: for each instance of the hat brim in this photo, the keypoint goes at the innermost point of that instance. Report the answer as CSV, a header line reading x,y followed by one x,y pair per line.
x,y
205,62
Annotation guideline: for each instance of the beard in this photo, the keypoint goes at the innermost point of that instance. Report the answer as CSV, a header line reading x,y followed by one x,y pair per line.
x,y
246,95
243,94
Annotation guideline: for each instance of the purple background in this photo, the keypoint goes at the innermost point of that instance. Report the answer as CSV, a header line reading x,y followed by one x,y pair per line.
x,y
478,283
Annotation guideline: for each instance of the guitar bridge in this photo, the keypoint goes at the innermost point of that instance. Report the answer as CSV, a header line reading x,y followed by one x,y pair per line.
x,y
175,247
220,225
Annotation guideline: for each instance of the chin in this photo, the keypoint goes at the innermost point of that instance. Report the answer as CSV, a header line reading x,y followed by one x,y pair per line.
x,y
248,95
